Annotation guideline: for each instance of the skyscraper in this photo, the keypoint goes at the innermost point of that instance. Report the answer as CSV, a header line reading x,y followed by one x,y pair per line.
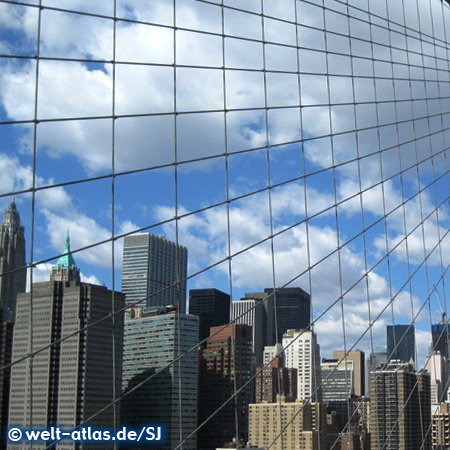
x,y
293,309
211,306
225,366
154,270
251,312
302,352
401,343
12,258
400,408
359,368
153,339
337,384
73,379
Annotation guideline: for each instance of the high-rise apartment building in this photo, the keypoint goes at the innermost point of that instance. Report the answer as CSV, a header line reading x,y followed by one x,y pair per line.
x,y
302,352
225,366
154,271
357,357
401,343
440,427
153,339
288,425
400,408
274,380
211,306
12,259
75,378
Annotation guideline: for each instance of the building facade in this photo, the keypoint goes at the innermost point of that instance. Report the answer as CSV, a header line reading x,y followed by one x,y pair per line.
x,y
288,425
337,384
275,380
251,312
154,271
401,343
302,352
153,339
400,408
225,367
12,259
357,358
6,337
293,309
74,378
211,306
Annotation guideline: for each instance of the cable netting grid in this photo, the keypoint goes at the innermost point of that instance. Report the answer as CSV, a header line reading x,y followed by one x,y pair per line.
x,y
315,155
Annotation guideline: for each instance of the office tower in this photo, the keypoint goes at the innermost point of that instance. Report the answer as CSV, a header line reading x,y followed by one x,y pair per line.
x,y
225,365
153,339
376,359
302,352
6,336
275,380
251,312
337,384
401,343
288,425
293,309
400,408
211,306
72,379
154,271
440,335
12,258
359,368
438,370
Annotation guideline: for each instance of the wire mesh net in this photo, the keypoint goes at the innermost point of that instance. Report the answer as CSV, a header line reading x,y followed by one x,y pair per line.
x,y
285,144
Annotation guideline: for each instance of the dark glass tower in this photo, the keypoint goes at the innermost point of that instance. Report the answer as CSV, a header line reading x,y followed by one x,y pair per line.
x,y
211,306
12,257
401,343
293,309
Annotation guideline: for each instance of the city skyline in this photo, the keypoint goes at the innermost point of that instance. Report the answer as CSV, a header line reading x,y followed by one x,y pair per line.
x,y
285,144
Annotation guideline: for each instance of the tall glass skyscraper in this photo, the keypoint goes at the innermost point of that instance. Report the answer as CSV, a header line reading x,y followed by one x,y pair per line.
x,y
167,393
401,343
154,271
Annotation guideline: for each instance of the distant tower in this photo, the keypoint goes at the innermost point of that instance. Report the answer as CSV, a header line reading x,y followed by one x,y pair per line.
x,y
154,270
359,368
293,309
12,257
73,378
211,306
401,343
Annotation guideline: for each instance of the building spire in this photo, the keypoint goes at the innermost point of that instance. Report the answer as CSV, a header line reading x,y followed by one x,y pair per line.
x,y
12,216
65,269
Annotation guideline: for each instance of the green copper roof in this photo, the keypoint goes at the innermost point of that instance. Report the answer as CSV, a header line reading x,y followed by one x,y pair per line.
x,y
66,259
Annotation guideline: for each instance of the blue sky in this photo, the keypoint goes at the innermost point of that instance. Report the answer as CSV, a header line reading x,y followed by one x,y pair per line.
x,y
79,88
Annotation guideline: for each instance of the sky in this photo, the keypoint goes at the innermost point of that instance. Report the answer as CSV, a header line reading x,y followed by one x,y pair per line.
x,y
307,114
